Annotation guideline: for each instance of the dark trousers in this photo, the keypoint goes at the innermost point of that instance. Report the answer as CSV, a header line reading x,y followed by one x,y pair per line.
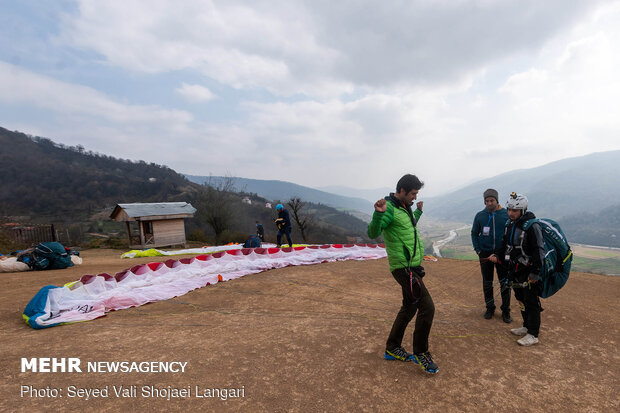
x,y
529,300
287,232
415,297
486,267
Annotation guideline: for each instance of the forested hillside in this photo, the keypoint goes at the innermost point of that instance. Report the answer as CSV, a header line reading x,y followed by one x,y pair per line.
x,y
43,178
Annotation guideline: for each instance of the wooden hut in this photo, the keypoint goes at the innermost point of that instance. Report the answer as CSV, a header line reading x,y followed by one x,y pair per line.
x,y
158,224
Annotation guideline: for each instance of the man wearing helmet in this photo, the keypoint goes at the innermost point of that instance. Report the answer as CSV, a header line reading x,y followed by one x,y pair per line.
x,y
284,225
486,237
522,252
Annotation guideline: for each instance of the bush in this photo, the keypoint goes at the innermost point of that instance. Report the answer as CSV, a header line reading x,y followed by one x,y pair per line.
x,y
7,245
113,243
197,235
233,236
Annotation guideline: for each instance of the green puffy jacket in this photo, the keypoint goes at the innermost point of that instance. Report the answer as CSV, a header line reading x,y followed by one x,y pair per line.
x,y
399,234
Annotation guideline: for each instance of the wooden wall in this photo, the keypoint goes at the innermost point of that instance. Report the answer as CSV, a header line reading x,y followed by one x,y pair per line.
x,y
169,232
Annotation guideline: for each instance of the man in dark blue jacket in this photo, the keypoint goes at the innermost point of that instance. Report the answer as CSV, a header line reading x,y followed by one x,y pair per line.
x,y
284,225
486,237
260,231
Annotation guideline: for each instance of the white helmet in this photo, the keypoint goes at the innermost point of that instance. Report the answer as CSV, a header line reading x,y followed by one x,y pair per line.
x,y
517,201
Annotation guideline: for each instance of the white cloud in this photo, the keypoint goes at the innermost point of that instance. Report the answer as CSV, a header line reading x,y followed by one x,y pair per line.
x,y
195,93
316,47
20,86
361,92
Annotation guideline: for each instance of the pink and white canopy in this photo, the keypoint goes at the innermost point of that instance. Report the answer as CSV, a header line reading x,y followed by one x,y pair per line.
x,y
94,295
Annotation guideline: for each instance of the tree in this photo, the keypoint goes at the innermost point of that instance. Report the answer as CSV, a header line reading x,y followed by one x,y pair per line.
x,y
214,205
301,218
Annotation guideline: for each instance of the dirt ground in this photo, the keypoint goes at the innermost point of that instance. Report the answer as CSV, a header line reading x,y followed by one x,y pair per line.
x,y
311,339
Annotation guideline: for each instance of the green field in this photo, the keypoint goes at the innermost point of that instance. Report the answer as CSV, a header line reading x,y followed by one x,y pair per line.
x,y
609,266
459,254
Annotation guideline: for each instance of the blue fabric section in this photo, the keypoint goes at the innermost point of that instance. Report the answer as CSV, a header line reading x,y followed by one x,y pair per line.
x,y
36,308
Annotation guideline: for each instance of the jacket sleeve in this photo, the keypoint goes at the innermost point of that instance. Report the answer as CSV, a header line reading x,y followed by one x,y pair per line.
x,y
380,221
417,214
475,232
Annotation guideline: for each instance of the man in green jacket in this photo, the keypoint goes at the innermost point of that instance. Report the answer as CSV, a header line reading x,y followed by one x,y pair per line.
x,y
394,219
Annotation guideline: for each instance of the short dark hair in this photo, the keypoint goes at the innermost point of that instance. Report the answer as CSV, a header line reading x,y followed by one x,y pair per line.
x,y
409,182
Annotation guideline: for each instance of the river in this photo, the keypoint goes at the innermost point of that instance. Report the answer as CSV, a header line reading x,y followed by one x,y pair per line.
x,y
437,245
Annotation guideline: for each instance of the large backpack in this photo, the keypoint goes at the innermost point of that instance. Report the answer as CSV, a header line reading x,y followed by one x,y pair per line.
x,y
51,256
558,256
252,242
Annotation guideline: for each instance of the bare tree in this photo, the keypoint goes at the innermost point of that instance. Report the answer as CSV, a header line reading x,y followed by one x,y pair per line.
x,y
302,218
214,205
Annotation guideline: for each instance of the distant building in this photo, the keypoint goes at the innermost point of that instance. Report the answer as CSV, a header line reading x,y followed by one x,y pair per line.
x,y
158,224
246,200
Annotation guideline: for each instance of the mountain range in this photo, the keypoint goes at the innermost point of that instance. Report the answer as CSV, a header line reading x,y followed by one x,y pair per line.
x,y
581,193
283,191
585,184
371,195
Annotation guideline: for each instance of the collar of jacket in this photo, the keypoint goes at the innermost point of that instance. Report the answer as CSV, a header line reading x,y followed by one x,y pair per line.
x,y
399,204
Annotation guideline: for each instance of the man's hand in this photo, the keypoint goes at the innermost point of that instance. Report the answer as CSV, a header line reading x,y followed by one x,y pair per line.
x,y
420,204
493,258
381,205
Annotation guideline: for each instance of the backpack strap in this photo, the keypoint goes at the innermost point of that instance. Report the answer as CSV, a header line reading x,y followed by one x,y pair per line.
x,y
527,224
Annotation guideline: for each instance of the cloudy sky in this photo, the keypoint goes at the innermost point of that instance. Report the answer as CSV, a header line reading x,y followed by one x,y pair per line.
x,y
317,92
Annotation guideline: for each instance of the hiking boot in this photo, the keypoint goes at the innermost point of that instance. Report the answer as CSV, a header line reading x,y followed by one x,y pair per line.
x,y
489,314
528,340
519,331
506,317
398,353
426,362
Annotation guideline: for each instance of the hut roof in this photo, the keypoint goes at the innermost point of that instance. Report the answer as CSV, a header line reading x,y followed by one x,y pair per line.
x,y
139,210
